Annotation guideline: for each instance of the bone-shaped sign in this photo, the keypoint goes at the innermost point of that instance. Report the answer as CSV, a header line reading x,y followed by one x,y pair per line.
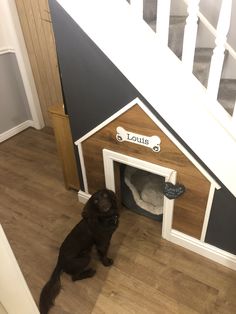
x,y
152,142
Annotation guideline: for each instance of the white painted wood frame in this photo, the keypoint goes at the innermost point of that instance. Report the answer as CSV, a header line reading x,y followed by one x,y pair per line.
x,y
109,157
138,102
186,107
168,233
14,292
198,246
207,212
179,238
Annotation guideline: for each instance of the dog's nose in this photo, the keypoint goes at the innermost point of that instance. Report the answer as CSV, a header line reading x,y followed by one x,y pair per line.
x,y
105,205
106,208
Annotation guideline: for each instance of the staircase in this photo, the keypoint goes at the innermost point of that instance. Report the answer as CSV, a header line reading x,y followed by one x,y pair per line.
x,y
202,56
157,53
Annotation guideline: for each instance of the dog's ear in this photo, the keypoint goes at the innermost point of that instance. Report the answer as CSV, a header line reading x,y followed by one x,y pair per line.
x,y
86,213
113,199
89,209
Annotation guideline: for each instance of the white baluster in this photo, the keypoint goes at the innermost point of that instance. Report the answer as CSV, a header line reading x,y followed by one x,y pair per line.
x,y
190,34
217,59
234,116
163,18
137,6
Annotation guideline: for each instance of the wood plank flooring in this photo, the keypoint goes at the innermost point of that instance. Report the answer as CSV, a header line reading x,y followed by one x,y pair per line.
x,y
149,275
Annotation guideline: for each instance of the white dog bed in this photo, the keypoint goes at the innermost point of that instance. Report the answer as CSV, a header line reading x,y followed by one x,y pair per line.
x,y
147,189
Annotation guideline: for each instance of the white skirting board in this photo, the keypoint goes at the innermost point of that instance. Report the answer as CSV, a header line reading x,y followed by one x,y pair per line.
x,y
209,251
17,129
83,197
204,249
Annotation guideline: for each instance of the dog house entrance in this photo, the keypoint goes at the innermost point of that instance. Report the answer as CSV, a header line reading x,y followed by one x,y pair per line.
x,y
142,191
133,170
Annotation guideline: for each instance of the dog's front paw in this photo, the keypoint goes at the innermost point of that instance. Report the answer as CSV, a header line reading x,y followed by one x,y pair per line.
x,y
106,261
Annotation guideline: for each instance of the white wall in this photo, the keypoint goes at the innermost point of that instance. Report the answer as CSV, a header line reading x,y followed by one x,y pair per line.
x,y
13,103
18,78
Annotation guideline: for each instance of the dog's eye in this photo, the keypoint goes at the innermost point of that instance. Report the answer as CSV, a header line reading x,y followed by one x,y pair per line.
x,y
95,201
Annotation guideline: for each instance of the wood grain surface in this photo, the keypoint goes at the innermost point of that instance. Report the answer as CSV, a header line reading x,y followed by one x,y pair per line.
x,y
189,209
37,29
149,275
65,146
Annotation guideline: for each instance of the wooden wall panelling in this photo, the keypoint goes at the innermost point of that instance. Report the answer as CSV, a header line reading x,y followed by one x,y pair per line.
x,y
50,48
65,146
189,210
36,25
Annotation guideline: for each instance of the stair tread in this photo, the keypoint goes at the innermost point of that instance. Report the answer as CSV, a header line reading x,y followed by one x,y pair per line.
x,y
227,94
202,59
201,66
203,54
177,19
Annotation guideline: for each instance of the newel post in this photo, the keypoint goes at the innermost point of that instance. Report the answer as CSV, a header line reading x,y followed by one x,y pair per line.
x,y
217,59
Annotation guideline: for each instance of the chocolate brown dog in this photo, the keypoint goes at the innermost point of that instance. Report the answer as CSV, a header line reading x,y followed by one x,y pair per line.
x,y
100,220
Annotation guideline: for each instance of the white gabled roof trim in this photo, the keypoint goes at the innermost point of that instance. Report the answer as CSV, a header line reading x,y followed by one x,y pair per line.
x,y
138,102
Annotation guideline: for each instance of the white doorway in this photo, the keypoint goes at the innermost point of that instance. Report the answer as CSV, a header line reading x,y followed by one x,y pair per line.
x,y
109,157
15,296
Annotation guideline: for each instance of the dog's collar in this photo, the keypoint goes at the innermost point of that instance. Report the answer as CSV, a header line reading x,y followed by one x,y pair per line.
x,y
110,220
114,219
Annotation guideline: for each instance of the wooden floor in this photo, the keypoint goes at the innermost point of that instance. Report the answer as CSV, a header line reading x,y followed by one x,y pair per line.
x,y
149,275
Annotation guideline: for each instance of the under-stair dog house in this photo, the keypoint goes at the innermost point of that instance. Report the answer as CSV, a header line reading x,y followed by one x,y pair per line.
x,y
131,137
125,89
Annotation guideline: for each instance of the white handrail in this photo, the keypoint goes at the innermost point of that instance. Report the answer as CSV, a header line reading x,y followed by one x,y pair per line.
x,y
218,52
163,18
190,34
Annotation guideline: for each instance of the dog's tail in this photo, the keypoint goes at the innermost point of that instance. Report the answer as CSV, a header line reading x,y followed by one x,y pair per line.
x,y
50,291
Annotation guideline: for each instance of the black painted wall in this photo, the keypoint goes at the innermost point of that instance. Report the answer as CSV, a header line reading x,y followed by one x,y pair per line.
x,y
94,89
222,223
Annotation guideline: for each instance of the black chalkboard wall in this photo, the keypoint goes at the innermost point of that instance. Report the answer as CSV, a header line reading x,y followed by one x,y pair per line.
x,y
94,89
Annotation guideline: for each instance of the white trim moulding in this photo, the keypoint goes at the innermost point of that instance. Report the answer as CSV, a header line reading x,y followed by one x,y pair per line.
x,y
15,130
6,50
204,249
109,157
138,102
83,197
209,251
